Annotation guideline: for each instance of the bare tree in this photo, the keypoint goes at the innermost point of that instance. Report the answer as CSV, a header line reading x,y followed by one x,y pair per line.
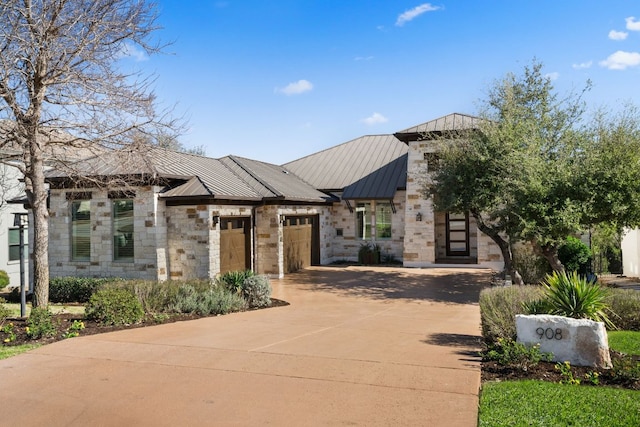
x,y
62,87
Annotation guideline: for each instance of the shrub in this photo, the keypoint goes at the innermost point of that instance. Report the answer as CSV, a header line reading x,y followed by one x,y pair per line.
x,y
256,290
220,301
75,289
569,295
40,324
4,279
508,352
369,253
186,300
233,280
625,303
498,308
531,266
575,255
4,311
114,306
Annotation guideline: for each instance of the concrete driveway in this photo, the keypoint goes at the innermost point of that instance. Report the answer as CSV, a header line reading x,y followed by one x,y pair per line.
x,y
357,346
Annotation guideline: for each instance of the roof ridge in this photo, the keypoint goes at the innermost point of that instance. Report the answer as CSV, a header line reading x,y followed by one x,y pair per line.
x,y
236,160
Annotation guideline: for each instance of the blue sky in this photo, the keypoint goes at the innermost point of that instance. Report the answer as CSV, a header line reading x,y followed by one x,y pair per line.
x,y
278,80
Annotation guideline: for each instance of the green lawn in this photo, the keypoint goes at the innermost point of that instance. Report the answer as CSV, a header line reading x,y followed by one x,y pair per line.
x,y
627,342
540,403
11,350
55,308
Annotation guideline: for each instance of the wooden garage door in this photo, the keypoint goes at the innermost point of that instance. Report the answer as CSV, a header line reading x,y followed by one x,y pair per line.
x,y
235,253
298,232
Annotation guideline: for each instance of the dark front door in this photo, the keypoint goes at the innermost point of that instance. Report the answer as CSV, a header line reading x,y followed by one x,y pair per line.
x,y
457,234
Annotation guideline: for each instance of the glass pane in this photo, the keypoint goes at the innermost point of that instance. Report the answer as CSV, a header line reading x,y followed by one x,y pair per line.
x,y
453,216
458,246
14,253
81,230
458,236
363,220
14,236
383,220
457,225
123,229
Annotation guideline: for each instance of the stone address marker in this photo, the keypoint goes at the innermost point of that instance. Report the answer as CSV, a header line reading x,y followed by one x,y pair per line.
x,y
581,342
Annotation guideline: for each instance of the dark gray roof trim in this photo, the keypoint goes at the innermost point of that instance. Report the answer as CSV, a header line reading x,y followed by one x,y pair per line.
x,y
380,184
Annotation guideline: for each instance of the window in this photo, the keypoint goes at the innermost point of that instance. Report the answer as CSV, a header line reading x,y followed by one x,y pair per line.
x,y
81,230
14,244
123,230
383,220
363,219
367,222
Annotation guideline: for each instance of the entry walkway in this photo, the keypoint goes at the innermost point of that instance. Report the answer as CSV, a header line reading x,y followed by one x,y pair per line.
x,y
357,346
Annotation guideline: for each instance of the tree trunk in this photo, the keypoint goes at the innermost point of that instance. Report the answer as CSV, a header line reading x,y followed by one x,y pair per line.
x,y
38,194
505,249
550,252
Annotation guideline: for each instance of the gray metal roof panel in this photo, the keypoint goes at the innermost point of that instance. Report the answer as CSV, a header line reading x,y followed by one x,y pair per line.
x,y
450,122
277,181
343,165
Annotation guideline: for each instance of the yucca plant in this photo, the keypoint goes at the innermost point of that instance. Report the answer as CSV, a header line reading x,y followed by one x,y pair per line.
x,y
569,295
233,280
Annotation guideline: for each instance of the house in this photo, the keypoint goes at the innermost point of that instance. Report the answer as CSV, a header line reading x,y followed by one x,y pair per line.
x,y
11,187
157,214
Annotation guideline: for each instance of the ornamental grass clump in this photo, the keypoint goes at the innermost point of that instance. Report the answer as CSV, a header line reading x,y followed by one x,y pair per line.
x,y
569,295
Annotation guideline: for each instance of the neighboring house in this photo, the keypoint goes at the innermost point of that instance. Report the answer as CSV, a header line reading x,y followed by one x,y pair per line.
x,y
631,253
11,187
157,214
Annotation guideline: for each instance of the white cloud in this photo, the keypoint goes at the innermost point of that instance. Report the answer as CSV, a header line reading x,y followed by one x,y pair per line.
x,y
296,88
363,58
374,119
621,60
617,35
411,14
632,24
582,65
128,50
553,76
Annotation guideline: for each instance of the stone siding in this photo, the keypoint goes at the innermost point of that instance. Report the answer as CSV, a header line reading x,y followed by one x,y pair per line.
x,y
149,235
425,240
346,246
269,235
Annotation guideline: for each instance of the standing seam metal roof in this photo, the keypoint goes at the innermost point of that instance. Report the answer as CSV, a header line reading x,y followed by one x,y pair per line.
x,y
361,163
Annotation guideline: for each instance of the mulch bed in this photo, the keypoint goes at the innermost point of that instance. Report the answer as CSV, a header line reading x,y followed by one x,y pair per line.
x,y
546,371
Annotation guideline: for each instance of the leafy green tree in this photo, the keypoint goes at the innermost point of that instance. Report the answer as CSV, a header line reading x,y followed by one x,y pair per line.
x,y
535,172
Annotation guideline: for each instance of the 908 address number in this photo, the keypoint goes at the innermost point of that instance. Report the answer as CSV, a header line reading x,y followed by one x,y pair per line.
x,y
549,333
